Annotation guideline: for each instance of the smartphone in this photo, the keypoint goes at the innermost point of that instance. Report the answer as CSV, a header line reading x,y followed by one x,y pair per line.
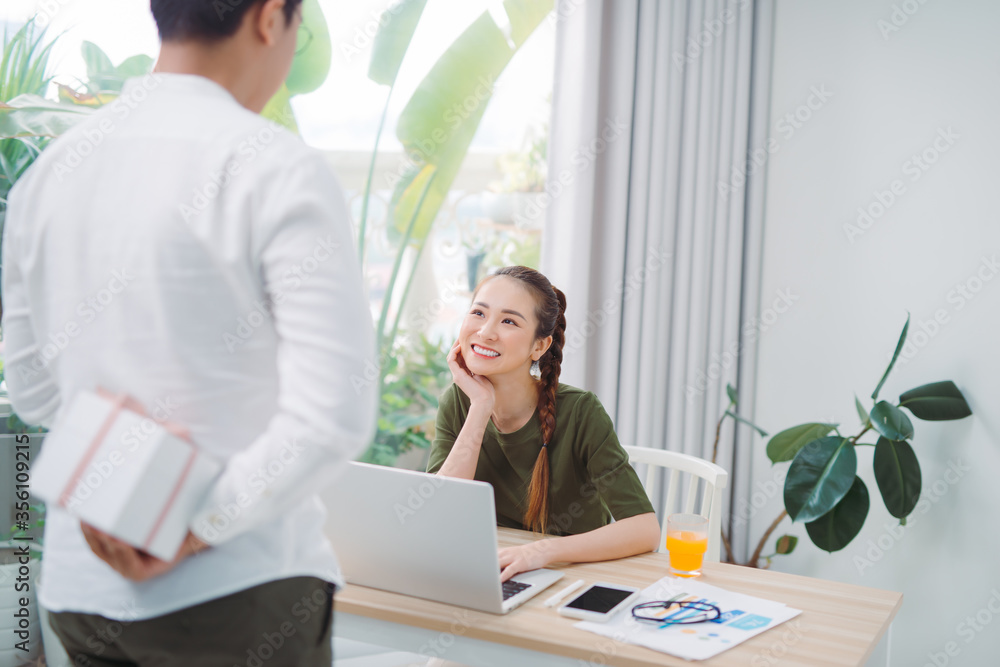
x,y
599,602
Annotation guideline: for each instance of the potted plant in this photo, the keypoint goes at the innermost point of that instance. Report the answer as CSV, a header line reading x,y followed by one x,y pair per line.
x,y
822,488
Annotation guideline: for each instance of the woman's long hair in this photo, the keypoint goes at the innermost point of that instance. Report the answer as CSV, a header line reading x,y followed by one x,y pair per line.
x,y
550,310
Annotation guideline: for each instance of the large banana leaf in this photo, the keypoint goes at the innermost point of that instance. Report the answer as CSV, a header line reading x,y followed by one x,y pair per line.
x,y
311,67
34,116
393,39
438,123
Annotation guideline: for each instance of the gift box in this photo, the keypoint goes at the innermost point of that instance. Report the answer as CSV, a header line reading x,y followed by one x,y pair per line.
x,y
123,472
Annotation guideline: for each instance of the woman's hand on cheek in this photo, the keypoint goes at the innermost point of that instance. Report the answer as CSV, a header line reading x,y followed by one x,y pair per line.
x,y
514,560
478,388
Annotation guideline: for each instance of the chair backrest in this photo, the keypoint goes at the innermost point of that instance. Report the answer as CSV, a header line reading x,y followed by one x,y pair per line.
x,y
715,479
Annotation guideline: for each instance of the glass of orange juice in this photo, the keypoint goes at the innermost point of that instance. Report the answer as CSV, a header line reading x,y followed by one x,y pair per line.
x,y
687,542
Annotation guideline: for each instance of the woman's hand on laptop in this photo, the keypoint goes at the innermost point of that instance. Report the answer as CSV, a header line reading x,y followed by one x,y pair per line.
x,y
132,563
514,560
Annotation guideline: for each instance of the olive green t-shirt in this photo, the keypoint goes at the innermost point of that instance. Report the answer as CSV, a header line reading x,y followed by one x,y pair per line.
x,y
590,478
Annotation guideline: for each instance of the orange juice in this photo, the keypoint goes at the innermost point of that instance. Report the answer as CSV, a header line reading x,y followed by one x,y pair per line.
x,y
687,549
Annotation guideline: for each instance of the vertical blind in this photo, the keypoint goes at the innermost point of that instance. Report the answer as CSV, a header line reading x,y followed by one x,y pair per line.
x,y
655,220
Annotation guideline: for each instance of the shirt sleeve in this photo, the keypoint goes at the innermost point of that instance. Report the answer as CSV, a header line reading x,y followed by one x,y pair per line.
x,y
447,426
326,399
31,386
611,474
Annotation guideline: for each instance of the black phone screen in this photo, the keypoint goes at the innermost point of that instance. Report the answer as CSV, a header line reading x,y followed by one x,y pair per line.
x,y
599,599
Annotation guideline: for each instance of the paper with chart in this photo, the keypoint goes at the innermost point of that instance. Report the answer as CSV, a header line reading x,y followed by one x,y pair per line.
x,y
743,616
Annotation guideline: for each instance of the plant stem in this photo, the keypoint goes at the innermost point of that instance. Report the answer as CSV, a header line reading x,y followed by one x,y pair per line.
x,y
763,540
387,299
718,432
854,440
368,183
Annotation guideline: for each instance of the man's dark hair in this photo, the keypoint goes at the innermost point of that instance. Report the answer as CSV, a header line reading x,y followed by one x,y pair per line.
x,y
206,20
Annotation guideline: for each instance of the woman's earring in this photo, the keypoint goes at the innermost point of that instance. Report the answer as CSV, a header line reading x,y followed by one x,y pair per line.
x,y
536,370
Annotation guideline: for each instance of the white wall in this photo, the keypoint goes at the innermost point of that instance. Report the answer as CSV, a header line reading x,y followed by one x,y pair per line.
x,y
892,94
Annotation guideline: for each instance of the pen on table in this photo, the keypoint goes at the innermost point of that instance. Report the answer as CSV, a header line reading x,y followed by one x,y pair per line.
x,y
554,600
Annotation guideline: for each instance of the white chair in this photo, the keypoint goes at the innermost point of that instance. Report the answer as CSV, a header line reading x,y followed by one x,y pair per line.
x,y
715,479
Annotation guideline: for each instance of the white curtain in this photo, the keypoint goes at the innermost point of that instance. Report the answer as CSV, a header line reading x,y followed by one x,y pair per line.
x,y
655,221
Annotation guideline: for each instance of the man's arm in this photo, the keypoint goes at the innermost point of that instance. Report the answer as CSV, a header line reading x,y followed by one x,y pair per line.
x,y
326,401
31,386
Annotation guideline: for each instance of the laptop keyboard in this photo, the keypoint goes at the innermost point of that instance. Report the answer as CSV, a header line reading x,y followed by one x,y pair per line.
x,y
512,588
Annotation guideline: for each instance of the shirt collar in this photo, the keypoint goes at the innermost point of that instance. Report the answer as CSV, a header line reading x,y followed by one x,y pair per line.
x,y
193,84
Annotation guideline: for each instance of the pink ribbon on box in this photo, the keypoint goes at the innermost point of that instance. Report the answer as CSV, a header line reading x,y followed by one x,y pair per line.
x,y
123,402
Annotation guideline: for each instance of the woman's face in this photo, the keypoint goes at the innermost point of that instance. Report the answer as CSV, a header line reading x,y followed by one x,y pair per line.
x,y
498,333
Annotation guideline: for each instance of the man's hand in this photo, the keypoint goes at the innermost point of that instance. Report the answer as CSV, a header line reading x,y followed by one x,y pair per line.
x,y
132,563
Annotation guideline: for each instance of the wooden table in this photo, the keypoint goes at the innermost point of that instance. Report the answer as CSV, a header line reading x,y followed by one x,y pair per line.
x,y
840,623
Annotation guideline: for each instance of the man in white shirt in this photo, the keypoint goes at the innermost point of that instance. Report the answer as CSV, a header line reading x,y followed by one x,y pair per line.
x,y
179,248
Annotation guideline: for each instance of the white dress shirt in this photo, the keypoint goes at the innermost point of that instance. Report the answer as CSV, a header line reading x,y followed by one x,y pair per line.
x,y
183,250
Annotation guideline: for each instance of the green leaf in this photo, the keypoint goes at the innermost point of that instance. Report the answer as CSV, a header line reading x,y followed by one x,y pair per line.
x,y
891,422
897,473
392,40
834,530
525,15
937,401
895,355
820,475
862,413
786,544
97,61
731,392
749,423
279,109
438,123
138,65
311,67
33,116
785,445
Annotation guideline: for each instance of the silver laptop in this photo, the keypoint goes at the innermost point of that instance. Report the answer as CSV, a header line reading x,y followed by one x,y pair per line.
x,y
424,535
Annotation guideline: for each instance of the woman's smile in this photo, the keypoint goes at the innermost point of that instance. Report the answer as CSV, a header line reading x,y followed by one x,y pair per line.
x,y
484,352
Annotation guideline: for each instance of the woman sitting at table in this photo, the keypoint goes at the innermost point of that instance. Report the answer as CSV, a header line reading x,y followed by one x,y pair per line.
x,y
549,449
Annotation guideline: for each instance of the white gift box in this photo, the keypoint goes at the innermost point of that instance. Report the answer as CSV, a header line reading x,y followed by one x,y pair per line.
x,y
123,473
